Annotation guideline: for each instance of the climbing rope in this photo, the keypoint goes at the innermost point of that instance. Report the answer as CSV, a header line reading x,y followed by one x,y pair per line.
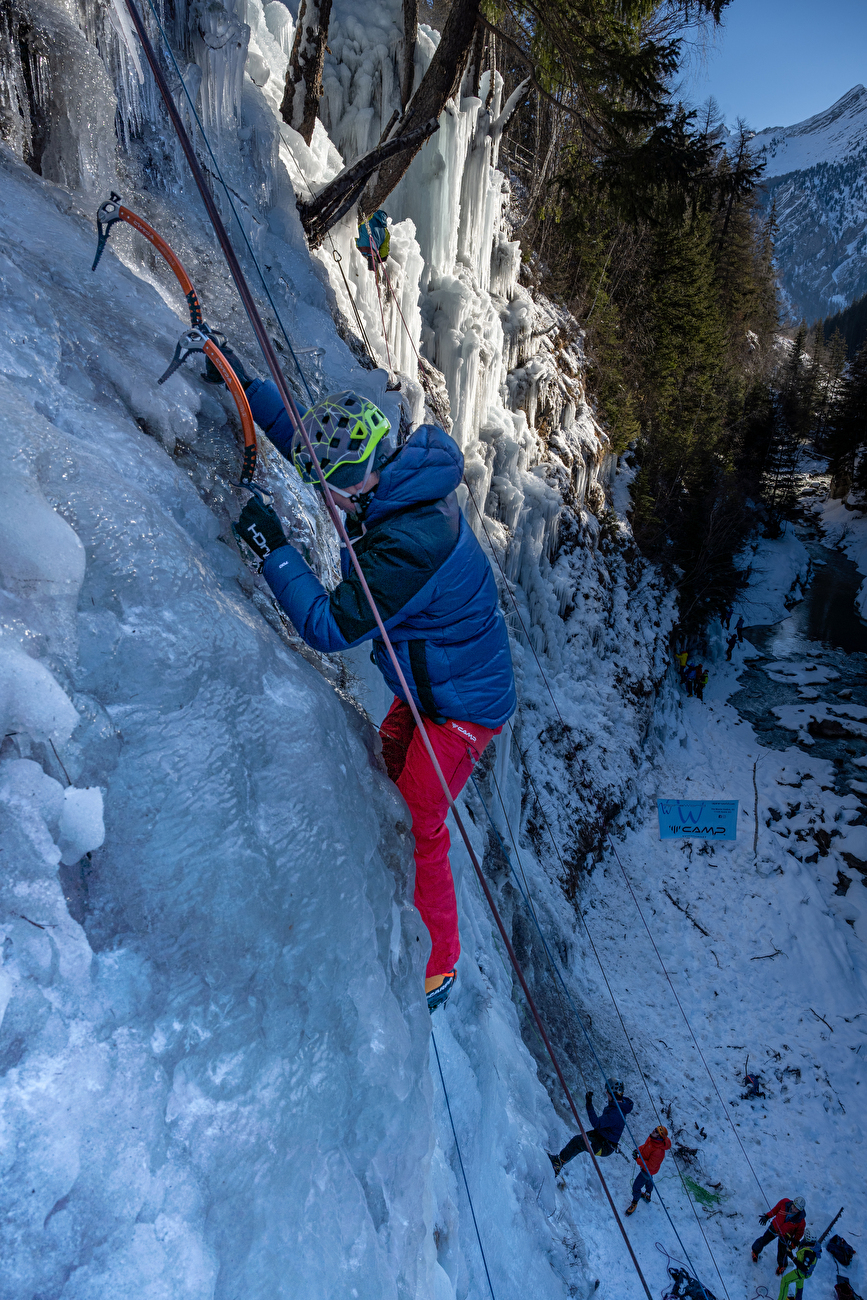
x,y
607,835
461,1163
555,969
353,304
339,260
292,412
176,122
614,1002
686,1021
376,259
603,825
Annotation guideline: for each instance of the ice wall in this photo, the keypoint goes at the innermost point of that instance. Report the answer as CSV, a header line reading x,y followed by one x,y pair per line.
x,y
214,1043
221,1017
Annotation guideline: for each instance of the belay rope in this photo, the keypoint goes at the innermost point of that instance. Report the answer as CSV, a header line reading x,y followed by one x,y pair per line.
x,y
272,362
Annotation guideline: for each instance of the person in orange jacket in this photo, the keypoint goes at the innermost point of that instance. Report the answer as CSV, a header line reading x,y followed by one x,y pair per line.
x,y
649,1158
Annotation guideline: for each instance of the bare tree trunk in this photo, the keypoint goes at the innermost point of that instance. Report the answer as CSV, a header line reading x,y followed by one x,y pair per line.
x,y
437,86
321,212
477,57
300,106
410,31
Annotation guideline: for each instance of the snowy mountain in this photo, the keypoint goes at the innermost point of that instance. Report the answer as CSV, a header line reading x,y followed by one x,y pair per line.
x,y
816,174
218,1075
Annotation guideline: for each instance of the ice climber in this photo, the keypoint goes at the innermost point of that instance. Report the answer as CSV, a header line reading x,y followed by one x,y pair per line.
x,y
649,1157
730,645
788,1220
806,1258
739,629
437,597
606,1131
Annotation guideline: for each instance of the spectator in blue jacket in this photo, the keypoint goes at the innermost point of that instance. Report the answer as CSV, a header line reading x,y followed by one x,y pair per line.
x,y
437,596
606,1129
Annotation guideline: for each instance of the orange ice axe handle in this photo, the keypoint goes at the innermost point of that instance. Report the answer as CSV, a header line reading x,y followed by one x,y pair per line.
x,y
233,384
196,340
113,211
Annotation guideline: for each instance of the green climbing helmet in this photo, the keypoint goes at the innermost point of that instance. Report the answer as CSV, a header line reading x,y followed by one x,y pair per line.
x,y
346,432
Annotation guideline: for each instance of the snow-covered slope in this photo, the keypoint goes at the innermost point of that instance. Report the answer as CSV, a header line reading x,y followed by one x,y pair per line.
x,y
816,173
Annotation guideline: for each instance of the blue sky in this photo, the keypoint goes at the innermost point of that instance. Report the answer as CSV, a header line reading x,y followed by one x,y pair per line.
x,y
776,62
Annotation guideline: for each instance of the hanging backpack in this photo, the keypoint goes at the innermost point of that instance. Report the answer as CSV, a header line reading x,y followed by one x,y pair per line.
x,y
841,1250
843,1289
374,232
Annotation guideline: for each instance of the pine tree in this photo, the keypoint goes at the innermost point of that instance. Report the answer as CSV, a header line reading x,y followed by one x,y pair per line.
x,y
847,438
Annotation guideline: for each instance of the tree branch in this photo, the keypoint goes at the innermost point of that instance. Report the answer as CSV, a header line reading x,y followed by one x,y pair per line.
x,y
533,79
321,212
685,911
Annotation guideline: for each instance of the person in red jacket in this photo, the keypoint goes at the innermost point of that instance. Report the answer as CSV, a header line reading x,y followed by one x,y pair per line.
x,y
649,1158
788,1220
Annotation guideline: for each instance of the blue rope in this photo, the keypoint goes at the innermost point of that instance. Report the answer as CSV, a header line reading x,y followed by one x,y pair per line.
x,y
461,1163
231,203
556,969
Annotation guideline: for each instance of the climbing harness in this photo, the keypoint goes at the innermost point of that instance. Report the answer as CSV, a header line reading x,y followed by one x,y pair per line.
x,y
461,1163
113,211
200,340
200,337
292,411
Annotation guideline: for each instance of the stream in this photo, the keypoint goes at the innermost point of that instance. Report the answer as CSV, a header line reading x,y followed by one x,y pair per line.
x,y
822,648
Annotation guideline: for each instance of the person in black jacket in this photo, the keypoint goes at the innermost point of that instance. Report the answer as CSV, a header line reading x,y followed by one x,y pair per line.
x,y
606,1130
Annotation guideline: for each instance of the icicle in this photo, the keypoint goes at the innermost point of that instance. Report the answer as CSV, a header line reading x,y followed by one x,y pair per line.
x,y
119,18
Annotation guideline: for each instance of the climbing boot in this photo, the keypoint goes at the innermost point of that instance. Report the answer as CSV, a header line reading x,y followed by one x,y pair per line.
x,y
632,1208
556,1162
438,995
755,1257
645,1196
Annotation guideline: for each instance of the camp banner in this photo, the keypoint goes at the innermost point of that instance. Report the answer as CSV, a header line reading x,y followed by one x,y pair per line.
x,y
707,819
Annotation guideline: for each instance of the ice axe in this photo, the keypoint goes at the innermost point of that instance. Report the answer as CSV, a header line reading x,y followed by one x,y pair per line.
x,y
201,340
113,211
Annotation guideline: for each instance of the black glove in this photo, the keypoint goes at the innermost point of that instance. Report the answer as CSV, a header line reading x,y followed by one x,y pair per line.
x,y
635,1153
763,1219
212,374
260,528
588,1097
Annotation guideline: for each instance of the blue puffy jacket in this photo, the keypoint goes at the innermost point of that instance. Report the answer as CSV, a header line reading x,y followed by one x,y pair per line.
x,y
430,578
611,1122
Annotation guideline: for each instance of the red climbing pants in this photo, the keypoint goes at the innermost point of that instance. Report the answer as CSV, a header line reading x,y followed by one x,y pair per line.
x,y
457,746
